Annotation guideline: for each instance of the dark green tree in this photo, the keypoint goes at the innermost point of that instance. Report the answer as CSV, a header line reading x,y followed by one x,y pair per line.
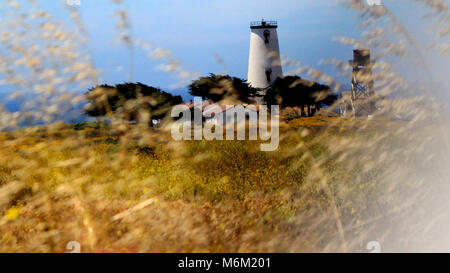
x,y
293,91
129,100
219,87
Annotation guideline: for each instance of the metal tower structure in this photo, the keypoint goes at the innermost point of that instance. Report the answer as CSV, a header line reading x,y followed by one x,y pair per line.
x,y
362,83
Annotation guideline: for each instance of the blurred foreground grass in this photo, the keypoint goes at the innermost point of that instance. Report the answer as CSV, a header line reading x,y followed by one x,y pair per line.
x,y
82,183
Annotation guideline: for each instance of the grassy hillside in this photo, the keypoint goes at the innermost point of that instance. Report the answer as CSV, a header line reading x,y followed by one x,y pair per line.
x,y
111,193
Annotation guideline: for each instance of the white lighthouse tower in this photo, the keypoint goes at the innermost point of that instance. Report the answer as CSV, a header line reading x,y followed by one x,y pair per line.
x,y
264,65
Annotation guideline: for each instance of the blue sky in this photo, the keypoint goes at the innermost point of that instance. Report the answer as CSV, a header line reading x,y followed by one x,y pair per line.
x,y
197,30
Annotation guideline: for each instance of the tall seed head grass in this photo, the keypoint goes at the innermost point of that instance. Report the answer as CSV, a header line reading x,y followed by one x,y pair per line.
x,y
334,184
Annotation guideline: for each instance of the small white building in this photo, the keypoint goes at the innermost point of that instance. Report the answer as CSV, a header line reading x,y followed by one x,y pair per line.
x,y
216,113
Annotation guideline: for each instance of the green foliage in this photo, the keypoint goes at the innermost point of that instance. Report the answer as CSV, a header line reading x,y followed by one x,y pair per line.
x,y
291,91
129,99
219,87
289,117
83,125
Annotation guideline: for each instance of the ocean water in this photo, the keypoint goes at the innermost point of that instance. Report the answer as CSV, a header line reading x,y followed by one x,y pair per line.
x,y
75,115
13,106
